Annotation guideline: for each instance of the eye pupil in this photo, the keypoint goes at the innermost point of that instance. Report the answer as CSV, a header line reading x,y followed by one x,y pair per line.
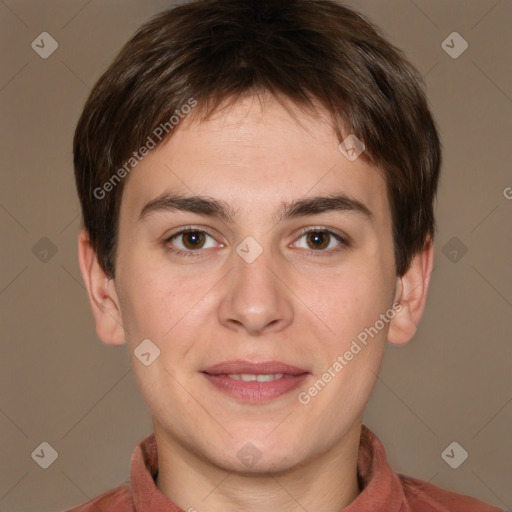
x,y
320,240
194,238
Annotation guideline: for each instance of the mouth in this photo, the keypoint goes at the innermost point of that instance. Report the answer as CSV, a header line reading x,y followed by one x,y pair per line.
x,y
255,382
261,377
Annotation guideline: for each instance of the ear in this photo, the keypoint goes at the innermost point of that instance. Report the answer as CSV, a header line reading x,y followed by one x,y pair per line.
x,y
102,294
411,295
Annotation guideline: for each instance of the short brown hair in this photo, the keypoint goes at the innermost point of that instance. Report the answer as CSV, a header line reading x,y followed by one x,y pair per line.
x,y
306,51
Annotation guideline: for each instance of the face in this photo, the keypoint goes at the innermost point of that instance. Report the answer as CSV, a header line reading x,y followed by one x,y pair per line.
x,y
254,310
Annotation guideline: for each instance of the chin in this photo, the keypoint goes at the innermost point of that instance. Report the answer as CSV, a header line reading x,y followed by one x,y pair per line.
x,y
250,461
255,453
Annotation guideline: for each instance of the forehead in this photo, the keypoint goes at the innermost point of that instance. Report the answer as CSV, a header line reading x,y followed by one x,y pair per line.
x,y
254,156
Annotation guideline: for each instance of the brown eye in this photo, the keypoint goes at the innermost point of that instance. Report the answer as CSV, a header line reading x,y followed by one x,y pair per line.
x,y
320,242
189,242
318,239
193,239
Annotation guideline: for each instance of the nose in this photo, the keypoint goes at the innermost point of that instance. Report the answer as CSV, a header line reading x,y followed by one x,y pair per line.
x,y
255,298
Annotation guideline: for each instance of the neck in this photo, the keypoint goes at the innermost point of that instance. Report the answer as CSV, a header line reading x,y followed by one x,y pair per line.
x,y
326,483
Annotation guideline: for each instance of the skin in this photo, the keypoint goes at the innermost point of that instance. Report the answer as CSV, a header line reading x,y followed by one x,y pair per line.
x,y
294,304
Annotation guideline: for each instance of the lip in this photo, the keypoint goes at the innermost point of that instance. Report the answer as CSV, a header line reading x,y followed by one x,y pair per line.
x,y
254,391
240,366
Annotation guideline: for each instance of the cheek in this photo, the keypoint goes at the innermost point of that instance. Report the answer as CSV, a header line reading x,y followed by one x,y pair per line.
x,y
349,359
149,307
166,307
348,300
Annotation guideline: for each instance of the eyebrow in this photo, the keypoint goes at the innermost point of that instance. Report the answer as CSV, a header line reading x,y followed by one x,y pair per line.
x,y
204,205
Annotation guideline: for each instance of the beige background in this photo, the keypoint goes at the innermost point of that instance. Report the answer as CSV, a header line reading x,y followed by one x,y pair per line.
x,y
61,385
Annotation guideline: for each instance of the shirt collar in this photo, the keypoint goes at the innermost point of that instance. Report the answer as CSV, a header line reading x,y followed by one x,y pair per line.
x,y
381,488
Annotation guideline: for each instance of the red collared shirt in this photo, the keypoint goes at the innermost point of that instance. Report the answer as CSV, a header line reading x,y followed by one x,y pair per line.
x,y
383,490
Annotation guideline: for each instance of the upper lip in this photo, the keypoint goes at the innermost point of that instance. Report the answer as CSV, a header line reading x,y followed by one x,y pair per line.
x,y
265,367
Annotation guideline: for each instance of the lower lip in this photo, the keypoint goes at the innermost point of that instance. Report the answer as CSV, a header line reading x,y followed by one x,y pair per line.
x,y
254,391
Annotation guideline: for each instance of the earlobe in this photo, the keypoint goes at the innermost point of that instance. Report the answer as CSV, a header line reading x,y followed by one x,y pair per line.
x,y
411,294
103,298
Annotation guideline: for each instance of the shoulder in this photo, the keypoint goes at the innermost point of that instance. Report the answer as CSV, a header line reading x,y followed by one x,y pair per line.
x,y
115,500
422,496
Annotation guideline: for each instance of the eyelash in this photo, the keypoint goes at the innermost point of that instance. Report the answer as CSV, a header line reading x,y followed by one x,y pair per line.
x,y
316,253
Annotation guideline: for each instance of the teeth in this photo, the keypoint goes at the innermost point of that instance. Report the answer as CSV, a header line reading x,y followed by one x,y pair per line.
x,y
249,377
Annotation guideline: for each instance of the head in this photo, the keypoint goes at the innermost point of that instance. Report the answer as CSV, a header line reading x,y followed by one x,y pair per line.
x,y
231,120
